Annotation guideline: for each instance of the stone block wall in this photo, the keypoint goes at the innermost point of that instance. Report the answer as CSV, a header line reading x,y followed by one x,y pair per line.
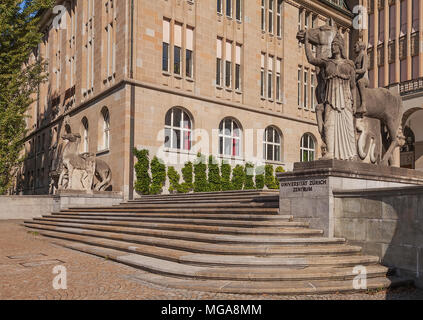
x,y
387,223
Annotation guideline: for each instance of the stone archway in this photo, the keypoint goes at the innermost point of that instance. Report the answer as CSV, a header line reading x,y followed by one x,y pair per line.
x,y
412,152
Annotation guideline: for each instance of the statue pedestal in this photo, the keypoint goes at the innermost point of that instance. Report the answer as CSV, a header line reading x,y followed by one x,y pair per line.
x,y
307,192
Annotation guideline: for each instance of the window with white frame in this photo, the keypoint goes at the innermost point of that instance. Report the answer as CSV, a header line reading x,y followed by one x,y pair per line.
x,y
299,100
177,49
270,14
270,77
263,75
238,67
238,10
219,6
178,130
229,8
305,82
106,128
279,19
189,53
89,45
219,71
85,135
313,90
110,16
263,15
166,46
278,79
228,64
308,148
229,138
272,144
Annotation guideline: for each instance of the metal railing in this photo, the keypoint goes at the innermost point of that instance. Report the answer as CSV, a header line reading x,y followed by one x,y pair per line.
x,y
411,86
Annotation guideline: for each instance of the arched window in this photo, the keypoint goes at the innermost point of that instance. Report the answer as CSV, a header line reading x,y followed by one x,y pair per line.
x,y
308,148
106,128
68,129
229,138
85,134
178,130
272,144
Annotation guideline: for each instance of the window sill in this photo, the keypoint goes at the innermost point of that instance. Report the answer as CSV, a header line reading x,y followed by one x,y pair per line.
x,y
278,163
271,100
226,157
228,89
238,21
262,98
279,102
177,76
178,151
238,92
219,87
189,79
102,152
166,74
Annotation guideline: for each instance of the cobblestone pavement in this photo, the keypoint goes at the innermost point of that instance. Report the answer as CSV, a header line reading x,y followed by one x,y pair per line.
x,y
26,272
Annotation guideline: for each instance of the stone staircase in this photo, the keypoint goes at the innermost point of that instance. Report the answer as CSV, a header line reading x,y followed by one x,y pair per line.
x,y
228,242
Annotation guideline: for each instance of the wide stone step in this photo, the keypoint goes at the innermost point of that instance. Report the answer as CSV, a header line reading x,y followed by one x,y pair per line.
x,y
292,231
238,217
209,200
210,248
178,210
181,257
207,205
285,286
212,195
205,222
193,236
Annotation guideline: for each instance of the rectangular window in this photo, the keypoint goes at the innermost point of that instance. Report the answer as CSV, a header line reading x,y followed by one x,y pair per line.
x,y
313,90
262,79
278,79
189,57
279,19
219,6
299,86
219,63
228,65
263,16
270,77
229,8
306,89
177,49
270,12
238,10
300,20
166,42
238,68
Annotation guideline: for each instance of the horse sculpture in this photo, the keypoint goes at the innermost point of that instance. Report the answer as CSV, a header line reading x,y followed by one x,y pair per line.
x,y
95,172
381,103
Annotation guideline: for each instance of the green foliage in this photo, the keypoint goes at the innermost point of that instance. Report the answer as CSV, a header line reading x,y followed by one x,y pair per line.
x,y
226,170
280,170
200,173
158,173
20,77
269,178
142,185
260,178
174,178
187,175
249,175
214,175
238,178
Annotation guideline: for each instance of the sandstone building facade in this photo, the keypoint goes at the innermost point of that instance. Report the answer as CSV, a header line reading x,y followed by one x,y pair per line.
x,y
177,77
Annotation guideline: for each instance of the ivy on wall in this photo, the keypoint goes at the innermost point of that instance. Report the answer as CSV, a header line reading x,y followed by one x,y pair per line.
x,y
142,185
200,174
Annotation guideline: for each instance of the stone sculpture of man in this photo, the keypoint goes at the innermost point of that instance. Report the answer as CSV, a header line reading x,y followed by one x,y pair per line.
x,y
362,78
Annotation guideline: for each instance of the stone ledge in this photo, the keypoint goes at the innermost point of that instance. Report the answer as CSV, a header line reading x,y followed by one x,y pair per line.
x,y
355,170
402,191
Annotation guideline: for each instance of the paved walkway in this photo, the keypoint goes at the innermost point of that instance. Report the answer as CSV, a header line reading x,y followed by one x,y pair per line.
x,y
26,272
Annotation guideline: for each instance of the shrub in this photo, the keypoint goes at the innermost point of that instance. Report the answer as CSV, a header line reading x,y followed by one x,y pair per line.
x,y
158,173
260,178
280,170
249,175
187,185
142,185
214,175
226,170
269,178
174,178
200,173
238,178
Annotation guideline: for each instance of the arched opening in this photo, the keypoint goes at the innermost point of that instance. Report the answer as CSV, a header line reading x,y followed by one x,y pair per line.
x,y
272,144
308,148
178,129
412,151
230,137
106,129
85,141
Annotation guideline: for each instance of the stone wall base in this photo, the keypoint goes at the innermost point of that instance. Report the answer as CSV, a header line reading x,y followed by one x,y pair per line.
x,y
29,207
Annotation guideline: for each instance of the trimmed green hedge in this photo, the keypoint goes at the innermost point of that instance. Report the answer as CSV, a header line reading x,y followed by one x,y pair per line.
x,y
202,176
